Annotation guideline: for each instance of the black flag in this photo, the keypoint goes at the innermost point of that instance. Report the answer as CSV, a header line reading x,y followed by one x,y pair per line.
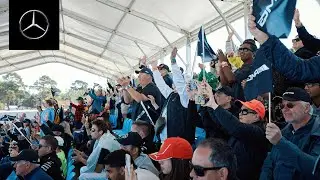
x,y
274,16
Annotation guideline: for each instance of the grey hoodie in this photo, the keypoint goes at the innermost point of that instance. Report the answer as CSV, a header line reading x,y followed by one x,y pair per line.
x,y
144,162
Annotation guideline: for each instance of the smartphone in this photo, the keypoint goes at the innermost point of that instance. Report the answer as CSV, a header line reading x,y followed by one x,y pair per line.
x,y
128,163
193,85
199,99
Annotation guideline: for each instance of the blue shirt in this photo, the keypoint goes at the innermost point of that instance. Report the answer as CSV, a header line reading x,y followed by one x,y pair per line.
x,y
37,174
50,111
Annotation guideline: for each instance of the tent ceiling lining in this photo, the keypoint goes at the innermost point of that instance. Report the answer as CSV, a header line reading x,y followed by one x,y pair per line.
x,y
98,43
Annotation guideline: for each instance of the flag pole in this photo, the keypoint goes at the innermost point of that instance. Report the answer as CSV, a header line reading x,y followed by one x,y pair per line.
x,y
203,55
194,62
269,97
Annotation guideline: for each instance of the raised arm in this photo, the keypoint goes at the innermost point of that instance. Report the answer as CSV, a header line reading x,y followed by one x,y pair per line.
x,y
179,81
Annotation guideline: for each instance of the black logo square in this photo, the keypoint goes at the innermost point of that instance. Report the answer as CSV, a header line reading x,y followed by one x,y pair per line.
x,y
34,25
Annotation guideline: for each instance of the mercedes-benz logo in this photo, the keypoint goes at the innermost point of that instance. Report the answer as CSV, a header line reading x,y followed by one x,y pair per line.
x,y
34,24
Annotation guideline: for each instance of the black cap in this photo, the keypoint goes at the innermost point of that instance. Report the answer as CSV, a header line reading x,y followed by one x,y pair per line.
x,y
226,90
57,127
163,66
79,99
26,121
132,138
296,94
145,70
26,155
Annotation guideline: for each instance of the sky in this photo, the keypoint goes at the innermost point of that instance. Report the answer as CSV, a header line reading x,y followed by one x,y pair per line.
x,y
64,75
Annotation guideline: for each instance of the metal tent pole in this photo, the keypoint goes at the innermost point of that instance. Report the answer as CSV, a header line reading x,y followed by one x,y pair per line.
x,y
188,56
165,38
226,20
246,9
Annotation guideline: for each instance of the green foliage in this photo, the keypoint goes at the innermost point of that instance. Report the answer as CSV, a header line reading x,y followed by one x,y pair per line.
x,y
14,92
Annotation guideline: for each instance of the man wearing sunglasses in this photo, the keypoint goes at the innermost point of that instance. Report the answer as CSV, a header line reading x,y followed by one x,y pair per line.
x,y
300,50
213,160
297,143
228,78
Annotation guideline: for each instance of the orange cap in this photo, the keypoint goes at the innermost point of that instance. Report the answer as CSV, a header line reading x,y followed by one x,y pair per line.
x,y
256,106
173,147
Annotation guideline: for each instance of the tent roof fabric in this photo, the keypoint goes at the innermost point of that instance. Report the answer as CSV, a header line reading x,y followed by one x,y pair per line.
x,y
107,37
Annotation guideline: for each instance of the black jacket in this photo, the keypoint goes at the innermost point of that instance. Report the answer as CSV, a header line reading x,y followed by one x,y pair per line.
x,y
248,142
178,124
212,126
51,164
309,41
304,53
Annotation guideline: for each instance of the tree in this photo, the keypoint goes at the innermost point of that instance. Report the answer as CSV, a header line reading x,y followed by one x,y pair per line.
x,y
43,86
11,89
79,85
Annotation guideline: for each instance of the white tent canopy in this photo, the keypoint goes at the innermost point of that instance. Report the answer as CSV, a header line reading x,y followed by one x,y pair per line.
x,y
107,37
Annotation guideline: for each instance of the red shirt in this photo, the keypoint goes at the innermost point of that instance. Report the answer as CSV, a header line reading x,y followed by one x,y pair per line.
x,y
79,111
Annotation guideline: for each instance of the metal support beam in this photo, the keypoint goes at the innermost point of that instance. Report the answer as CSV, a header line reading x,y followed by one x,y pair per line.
x,y
233,14
188,56
246,9
57,56
65,52
140,48
165,38
143,16
62,20
114,33
92,23
226,20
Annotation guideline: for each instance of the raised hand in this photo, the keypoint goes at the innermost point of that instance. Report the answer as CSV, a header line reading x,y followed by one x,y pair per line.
x,y
273,133
221,56
174,54
154,64
143,61
296,18
230,35
201,66
260,36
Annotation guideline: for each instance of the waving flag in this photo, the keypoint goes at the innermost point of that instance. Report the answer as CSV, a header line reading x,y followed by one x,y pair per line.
x,y
275,16
203,48
260,79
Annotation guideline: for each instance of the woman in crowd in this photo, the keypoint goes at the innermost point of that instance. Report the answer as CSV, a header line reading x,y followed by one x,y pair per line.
x,y
174,158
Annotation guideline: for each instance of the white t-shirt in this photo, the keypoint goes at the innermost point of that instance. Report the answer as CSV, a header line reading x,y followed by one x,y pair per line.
x,y
143,174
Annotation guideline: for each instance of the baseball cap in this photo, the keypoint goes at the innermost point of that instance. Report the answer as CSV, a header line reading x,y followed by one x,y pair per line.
x,y
296,94
26,155
79,99
163,66
132,138
256,106
225,90
145,70
173,147
27,121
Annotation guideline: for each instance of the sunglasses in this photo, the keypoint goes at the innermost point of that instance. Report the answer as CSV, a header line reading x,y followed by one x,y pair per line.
x,y
200,171
40,146
244,50
289,105
310,85
246,112
296,40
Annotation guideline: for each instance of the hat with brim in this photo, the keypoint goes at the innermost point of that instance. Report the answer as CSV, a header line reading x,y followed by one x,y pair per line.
x,y
173,147
296,94
132,138
26,155
145,70
163,66
256,106
79,99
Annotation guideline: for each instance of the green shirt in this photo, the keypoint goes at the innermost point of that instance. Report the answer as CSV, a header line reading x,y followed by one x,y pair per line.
x,y
63,160
211,79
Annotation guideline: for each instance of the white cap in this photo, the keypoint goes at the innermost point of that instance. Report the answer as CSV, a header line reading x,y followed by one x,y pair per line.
x,y
60,141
